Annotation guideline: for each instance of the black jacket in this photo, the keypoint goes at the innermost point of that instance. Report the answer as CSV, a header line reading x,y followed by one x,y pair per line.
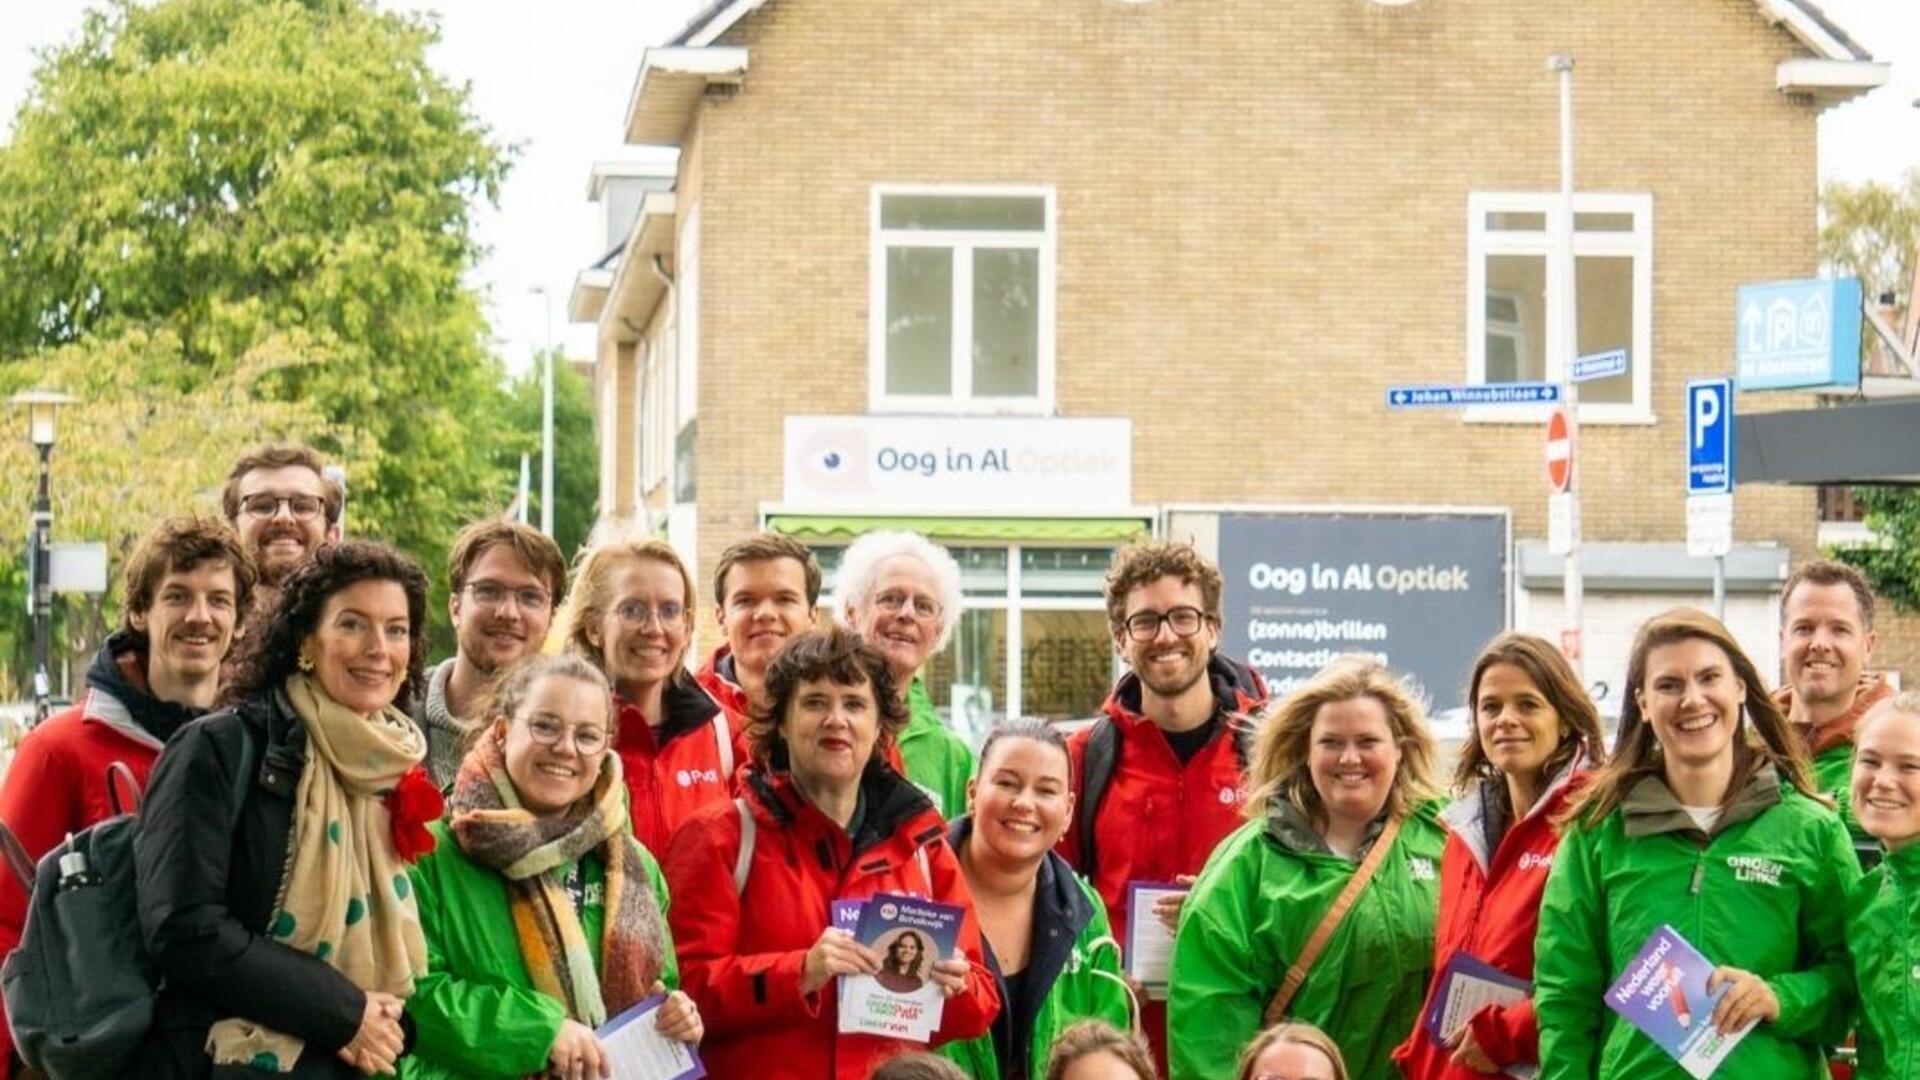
x,y
205,897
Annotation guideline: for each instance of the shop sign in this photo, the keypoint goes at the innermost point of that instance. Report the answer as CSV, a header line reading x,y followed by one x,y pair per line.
x,y
1419,592
959,465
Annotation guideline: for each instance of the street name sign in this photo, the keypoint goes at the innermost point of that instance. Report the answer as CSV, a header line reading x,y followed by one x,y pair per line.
x,y
1510,393
1797,334
1709,437
1600,365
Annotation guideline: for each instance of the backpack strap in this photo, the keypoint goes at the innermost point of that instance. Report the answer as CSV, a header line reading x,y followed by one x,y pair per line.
x,y
743,862
1103,753
723,739
1330,922
118,774
14,853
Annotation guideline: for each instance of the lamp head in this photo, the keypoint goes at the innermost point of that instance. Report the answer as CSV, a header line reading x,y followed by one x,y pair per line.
x,y
42,408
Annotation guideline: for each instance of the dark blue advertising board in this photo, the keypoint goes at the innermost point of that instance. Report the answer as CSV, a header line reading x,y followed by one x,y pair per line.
x,y
1420,592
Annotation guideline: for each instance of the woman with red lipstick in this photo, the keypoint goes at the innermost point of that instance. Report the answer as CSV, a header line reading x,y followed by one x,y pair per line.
x,y
1534,734
631,615
288,936
822,819
1706,820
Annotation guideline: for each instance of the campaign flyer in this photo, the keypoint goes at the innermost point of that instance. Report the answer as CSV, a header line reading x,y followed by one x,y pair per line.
x,y
1663,992
846,916
901,1001
1149,952
638,1052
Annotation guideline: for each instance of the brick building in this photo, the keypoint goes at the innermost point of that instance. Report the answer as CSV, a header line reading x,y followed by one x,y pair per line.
x,y
1167,256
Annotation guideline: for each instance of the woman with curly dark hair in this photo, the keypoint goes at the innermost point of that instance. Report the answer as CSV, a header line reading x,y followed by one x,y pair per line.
x,y
823,819
274,841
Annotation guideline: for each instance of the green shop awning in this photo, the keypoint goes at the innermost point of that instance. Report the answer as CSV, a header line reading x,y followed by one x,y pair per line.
x,y
1104,530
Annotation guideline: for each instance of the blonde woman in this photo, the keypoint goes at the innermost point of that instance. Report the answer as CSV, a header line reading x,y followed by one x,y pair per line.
x,y
1292,1052
1342,766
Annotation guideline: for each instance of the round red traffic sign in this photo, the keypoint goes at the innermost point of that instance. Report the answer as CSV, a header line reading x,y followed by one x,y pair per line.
x,y
1559,451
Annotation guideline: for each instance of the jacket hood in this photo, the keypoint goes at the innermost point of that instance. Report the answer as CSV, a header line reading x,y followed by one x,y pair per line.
x,y
1237,689
1469,816
1289,826
892,806
687,707
1839,731
1652,808
118,696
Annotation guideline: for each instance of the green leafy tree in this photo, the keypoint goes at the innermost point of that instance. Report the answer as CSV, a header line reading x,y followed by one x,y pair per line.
x,y
220,174
1872,231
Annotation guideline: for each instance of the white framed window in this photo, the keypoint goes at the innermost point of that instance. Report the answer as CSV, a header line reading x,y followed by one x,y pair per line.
x,y
961,312
1514,298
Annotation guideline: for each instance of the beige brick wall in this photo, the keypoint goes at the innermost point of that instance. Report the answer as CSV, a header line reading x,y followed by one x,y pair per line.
x,y
1262,225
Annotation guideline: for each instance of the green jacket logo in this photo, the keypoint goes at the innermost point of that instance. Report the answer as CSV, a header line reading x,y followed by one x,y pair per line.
x,y
1420,867
1756,869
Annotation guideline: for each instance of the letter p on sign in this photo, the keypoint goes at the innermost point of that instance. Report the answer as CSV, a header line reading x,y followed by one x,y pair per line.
x,y
1706,413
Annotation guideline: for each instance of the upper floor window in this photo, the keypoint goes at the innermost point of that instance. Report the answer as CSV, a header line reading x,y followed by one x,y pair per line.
x,y
962,304
1513,301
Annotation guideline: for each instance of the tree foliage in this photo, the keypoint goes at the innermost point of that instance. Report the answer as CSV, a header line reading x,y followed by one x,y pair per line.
x,y
1872,231
268,204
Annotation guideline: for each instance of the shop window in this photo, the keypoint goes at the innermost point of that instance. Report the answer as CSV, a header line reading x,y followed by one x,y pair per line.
x,y
1514,299
962,300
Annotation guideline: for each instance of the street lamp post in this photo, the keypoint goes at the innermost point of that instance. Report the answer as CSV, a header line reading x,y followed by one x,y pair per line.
x,y
546,418
42,408
1573,585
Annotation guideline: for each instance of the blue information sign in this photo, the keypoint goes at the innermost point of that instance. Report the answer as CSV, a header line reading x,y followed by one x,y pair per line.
x,y
1510,393
1600,365
1709,436
1793,334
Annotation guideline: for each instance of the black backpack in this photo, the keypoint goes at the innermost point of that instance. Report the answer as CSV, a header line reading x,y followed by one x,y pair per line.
x,y
80,988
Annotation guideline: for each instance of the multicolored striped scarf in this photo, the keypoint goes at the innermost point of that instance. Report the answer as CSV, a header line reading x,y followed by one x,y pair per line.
x,y
495,831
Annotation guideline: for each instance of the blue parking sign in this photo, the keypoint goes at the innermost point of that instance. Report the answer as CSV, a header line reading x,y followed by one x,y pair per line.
x,y
1709,436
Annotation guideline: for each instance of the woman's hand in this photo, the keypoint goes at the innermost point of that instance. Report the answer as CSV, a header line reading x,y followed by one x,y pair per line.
x,y
835,952
577,1055
1167,908
1468,1055
378,1043
677,1018
1748,998
950,975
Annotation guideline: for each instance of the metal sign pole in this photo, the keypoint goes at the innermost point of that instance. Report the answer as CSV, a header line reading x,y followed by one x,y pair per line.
x,y
1572,586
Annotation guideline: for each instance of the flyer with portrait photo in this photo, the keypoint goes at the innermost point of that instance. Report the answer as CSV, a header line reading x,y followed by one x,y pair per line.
x,y
1663,992
900,1001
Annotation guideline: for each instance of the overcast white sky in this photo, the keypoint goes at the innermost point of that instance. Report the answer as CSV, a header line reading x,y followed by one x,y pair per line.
x,y
555,78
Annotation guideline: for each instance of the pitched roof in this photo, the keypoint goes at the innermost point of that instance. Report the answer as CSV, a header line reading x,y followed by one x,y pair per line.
x,y
1802,18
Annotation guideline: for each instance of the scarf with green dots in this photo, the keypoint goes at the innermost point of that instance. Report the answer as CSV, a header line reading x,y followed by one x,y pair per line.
x,y
344,897
530,850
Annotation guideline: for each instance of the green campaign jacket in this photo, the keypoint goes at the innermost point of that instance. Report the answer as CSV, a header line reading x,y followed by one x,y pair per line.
x,y
938,761
1763,893
1089,985
1883,936
476,1010
1258,899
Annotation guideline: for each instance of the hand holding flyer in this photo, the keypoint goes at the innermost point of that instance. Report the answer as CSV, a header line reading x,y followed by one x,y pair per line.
x,y
638,1052
1149,951
901,999
1663,992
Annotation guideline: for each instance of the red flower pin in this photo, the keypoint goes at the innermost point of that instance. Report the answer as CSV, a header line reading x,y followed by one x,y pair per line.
x,y
412,803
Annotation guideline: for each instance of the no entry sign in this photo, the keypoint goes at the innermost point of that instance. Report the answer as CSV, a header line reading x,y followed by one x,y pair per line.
x,y
1559,451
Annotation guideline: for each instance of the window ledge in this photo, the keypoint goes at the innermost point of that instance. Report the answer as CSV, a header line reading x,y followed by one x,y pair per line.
x,y
1590,415
931,406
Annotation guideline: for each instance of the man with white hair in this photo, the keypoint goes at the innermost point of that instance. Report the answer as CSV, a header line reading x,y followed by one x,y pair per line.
x,y
901,592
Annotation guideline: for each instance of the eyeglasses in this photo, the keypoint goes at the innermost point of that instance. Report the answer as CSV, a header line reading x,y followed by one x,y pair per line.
x,y
1145,625
302,507
547,732
638,613
492,594
893,600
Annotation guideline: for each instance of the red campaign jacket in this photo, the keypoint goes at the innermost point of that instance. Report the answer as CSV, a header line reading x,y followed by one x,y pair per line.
x,y
677,768
1157,818
1490,909
717,678
741,954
